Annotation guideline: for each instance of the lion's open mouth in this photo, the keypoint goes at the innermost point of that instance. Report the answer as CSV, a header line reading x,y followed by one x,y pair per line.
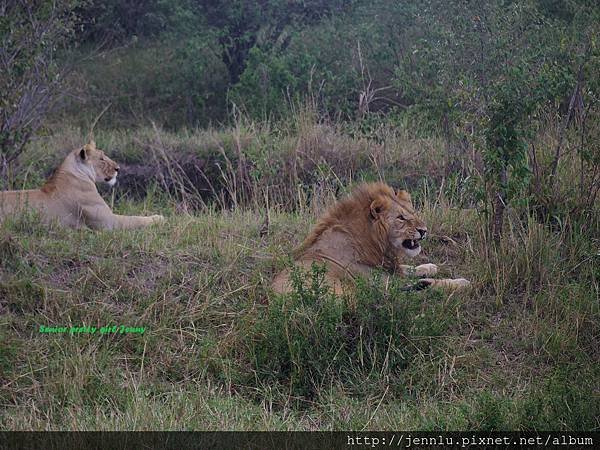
x,y
410,244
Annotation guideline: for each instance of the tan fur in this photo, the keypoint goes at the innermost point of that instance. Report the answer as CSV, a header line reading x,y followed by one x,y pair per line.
x,y
366,230
71,197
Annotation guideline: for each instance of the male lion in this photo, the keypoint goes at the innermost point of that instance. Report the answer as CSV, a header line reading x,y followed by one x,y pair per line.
x,y
70,194
374,227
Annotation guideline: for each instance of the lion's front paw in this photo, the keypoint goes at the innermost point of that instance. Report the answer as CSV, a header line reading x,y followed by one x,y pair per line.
x,y
426,270
157,218
460,283
446,283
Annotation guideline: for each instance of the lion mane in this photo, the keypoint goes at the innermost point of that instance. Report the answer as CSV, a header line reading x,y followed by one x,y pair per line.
x,y
351,217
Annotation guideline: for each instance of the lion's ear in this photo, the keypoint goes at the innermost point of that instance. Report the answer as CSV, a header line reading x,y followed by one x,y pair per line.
x,y
403,195
377,207
87,148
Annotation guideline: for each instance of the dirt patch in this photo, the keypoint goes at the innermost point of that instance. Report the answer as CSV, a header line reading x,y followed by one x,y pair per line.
x,y
186,173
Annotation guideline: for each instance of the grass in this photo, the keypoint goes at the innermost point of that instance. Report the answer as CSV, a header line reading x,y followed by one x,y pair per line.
x,y
214,355
518,351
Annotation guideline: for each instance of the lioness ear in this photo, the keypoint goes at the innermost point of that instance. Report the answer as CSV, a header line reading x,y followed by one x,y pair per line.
x,y
83,153
92,144
377,207
403,195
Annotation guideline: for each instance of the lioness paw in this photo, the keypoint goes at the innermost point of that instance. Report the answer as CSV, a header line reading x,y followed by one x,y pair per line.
x,y
426,270
157,218
453,283
461,283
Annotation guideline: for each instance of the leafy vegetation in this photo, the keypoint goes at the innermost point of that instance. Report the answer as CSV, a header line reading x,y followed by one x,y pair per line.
x,y
241,125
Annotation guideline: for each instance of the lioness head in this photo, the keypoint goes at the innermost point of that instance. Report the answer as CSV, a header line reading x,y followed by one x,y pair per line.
x,y
394,212
99,166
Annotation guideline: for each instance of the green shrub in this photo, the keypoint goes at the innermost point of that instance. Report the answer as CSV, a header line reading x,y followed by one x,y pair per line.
x,y
310,339
171,82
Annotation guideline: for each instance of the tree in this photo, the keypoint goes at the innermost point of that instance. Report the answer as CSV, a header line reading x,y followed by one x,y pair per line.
x,y
244,24
31,81
488,67
115,21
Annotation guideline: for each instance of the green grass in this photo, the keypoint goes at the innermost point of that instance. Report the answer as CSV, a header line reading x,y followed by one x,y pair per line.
x,y
222,352
517,351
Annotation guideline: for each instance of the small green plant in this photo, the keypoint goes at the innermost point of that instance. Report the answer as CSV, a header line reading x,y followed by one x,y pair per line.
x,y
293,341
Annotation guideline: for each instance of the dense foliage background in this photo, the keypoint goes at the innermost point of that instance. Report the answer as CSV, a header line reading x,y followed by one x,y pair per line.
x,y
193,59
353,56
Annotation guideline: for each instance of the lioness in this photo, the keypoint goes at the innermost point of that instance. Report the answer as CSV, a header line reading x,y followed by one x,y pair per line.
x,y
70,194
374,227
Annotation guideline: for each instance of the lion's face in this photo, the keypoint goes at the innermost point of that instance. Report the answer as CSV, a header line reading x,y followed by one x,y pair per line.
x,y
97,164
405,229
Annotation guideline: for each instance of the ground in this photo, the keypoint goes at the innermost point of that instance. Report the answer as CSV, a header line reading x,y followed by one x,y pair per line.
x,y
518,350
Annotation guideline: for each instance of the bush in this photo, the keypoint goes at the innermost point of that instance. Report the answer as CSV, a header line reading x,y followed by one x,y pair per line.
x,y
310,339
172,82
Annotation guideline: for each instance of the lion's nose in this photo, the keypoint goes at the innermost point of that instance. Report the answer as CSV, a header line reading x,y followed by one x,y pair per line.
x,y
422,232
117,169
